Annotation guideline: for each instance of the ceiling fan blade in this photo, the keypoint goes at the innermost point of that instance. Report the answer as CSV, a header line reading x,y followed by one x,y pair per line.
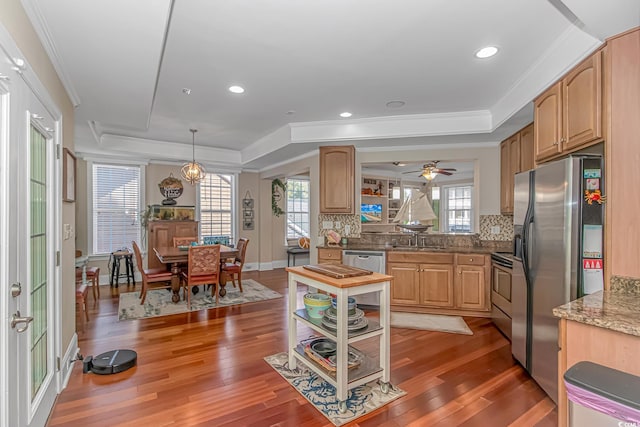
x,y
448,169
413,171
444,172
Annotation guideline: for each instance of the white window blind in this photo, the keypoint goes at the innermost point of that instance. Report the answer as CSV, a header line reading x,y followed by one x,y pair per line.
x,y
297,208
216,197
116,207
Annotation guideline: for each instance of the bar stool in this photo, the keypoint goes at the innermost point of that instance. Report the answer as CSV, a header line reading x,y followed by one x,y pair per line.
x,y
114,266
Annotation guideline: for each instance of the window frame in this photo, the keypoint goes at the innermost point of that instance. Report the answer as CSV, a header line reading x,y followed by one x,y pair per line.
x,y
89,191
308,211
444,202
234,202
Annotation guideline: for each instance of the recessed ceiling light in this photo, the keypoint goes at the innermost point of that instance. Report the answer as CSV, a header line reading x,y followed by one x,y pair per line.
x,y
236,89
486,52
346,114
186,91
290,112
395,104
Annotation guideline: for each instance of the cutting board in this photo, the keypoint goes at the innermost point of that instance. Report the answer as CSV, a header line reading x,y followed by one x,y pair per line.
x,y
337,271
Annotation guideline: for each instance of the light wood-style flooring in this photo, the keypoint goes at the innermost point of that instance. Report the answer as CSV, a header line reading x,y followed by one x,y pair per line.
x,y
206,368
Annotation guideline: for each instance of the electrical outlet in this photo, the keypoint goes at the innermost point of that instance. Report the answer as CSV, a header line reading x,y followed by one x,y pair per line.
x,y
327,225
338,224
347,229
495,229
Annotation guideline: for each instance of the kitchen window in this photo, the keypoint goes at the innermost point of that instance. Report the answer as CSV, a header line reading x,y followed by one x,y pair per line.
x,y
116,193
297,208
457,208
215,204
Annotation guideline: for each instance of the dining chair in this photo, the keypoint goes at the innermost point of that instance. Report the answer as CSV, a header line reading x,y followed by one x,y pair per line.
x,y
183,241
234,269
152,278
203,269
93,278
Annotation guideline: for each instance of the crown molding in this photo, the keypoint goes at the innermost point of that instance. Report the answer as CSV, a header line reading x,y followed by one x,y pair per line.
x,y
410,125
39,25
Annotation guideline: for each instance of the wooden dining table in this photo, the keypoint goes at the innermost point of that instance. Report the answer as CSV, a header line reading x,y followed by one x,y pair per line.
x,y
176,256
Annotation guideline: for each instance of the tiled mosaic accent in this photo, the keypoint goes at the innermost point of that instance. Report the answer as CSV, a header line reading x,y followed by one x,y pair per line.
x,y
505,222
344,219
629,285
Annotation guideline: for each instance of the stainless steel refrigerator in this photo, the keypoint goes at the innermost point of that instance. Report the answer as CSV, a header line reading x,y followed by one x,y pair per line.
x,y
558,221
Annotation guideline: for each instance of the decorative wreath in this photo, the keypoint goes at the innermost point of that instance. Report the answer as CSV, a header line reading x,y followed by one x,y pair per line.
x,y
304,242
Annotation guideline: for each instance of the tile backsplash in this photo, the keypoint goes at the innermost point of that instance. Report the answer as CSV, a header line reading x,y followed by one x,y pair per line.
x,y
344,219
503,224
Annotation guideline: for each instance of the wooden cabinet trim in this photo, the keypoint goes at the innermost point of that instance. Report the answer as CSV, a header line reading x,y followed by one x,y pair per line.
x,y
420,257
337,179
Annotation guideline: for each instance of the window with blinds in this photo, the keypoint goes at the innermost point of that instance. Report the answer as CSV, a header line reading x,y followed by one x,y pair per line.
x,y
458,208
116,207
215,205
297,208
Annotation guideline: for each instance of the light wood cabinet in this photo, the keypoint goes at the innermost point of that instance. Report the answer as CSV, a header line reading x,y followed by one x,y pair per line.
x,y
472,282
161,234
568,115
337,179
516,155
406,285
425,282
329,255
622,152
436,288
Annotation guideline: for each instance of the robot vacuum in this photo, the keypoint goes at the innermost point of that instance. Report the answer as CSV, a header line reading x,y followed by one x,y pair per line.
x,y
111,362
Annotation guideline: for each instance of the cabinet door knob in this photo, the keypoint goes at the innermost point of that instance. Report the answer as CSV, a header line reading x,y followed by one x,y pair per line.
x,y
470,259
563,140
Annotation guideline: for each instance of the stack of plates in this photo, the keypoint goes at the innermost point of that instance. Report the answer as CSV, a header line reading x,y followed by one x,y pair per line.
x,y
355,321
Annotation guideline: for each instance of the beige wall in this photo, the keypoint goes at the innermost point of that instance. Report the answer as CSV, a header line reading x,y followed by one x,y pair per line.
x,y
16,22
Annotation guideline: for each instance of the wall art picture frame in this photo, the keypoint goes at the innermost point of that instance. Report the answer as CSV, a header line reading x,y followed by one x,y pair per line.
x,y
247,214
68,176
247,224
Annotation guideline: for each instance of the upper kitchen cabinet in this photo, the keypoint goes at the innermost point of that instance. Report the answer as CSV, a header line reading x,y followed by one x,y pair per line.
x,y
516,155
568,115
337,179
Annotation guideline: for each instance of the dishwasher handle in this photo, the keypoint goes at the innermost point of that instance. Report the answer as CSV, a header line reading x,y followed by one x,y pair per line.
x,y
363,254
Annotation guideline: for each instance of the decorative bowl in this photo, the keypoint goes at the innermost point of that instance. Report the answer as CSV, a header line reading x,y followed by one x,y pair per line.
x,y
316,304
351,305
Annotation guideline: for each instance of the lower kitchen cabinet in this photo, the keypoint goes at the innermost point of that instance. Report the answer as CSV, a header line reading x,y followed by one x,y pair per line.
x,y
329,255
441,283
406,286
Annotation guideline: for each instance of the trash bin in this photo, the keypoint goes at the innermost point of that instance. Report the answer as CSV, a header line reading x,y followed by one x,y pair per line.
x,y
600,396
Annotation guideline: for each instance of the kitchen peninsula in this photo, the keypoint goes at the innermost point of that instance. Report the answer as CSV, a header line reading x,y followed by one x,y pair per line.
x,y
602,328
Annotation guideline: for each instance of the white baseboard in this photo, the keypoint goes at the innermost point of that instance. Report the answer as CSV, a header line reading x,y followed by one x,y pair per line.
x,y
279,263
266,266
66,364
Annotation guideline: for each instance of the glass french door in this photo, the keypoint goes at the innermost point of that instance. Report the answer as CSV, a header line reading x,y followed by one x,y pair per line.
x,y
29,194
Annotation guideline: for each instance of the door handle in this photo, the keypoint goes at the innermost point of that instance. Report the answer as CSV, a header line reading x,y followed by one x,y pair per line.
x,y
17,319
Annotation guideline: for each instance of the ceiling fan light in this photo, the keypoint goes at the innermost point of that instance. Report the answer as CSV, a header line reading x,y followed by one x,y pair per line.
x,y
429,175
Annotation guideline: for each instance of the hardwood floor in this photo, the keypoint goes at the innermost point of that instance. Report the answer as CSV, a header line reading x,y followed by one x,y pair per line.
x,y
206,368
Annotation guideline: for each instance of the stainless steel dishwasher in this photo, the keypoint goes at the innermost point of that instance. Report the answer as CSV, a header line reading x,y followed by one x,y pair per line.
x,y
368,260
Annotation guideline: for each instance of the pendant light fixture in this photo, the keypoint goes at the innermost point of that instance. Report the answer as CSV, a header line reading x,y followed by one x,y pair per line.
x,y
193,171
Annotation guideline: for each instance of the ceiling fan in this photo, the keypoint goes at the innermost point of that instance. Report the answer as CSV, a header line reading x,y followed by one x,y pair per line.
x,y
430,170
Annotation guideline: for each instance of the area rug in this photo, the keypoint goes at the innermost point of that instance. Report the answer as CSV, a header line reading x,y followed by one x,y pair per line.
x,y
322,395
430,322
158,301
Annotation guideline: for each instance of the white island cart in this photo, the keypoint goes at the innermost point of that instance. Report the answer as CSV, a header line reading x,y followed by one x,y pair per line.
x,y
373,366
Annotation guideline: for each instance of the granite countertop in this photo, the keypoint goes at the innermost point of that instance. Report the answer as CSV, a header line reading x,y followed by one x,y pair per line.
x,y
374,247
617,310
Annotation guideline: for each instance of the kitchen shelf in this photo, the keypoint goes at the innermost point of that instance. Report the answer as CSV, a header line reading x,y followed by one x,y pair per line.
x,y
368,369
373,328
373,366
